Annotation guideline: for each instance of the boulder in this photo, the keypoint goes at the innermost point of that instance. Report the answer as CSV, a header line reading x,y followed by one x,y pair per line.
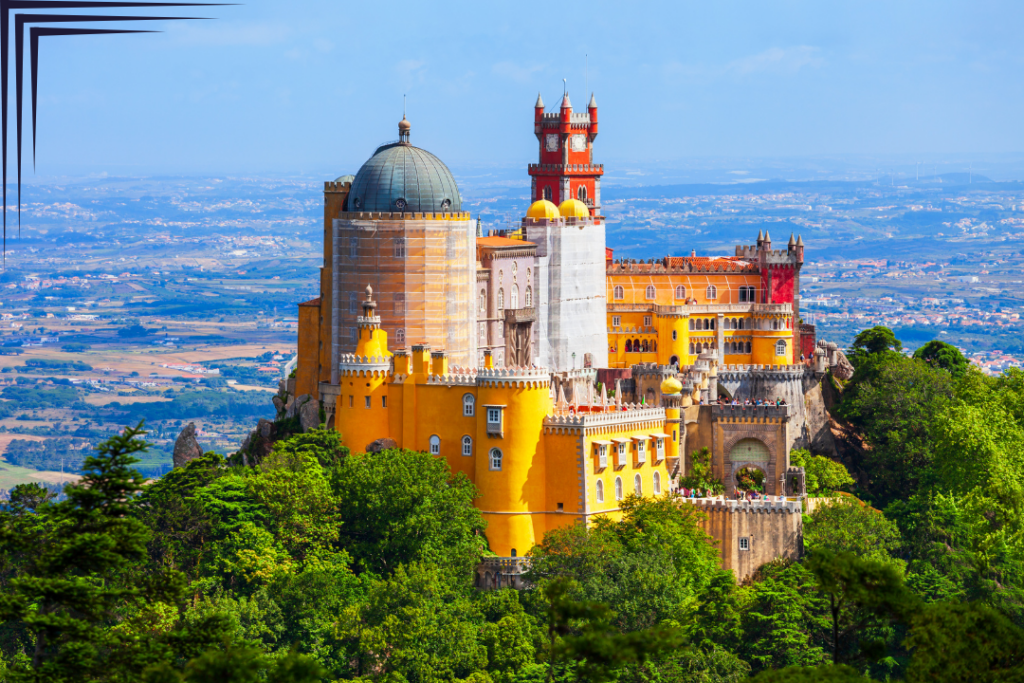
x,y
264,428
843,368
309,415
278,405
292,407
187,446
381,445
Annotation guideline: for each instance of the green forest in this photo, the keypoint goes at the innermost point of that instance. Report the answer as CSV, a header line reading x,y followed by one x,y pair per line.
x,y
317,564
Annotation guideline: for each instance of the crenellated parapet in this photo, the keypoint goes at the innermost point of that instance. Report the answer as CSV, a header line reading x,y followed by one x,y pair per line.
x,y
456,376
403,216
629,416
750,413
721,505
521,377
351,364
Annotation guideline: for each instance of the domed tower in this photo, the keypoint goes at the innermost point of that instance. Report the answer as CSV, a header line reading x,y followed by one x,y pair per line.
x,y
401,228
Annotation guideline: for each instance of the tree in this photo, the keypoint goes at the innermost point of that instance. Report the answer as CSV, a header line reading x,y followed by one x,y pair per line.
x,y
71,575
876,340
399,506
862,594
943,356
848,525
822,475
812,674
894,408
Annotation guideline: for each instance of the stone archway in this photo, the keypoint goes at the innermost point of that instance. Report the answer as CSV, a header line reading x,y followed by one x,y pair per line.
x,y
749,453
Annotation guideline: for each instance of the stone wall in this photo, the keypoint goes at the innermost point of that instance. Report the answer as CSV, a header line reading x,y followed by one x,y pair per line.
x,y
772,530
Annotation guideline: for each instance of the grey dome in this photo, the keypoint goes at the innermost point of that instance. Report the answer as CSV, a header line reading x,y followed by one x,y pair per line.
x,y
400,177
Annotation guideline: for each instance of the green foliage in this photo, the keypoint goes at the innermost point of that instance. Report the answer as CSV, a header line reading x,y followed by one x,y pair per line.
x,y
700,473
75,347
941,355
41,397
398,507
876,340
824,476
133,330
847,525
36,364
62,453
812,674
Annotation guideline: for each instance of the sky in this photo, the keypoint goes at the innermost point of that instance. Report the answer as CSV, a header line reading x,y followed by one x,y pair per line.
x,y
313,86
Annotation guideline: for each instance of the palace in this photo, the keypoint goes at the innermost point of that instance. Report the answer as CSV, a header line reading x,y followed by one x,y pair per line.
x,y
556,378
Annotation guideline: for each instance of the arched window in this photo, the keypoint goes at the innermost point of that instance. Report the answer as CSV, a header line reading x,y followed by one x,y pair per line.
x,y
748,347
435,445
547,193
600,491
707,323
629,346
495,459
399,247
468,405
691,324
649,293
618,488
712,292
741,324
712,321
654,345
691,349
619,293
467,445
514,295
680,292
529,297
581,193
780,347
638,486
353,247
482,306
400,336
657,483
636,346
400,303
501,299
644,348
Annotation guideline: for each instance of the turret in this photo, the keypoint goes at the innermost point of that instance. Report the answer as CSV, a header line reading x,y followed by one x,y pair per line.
x,y
672,401
538,111
760,238
767,241
566,114
592,109
799,249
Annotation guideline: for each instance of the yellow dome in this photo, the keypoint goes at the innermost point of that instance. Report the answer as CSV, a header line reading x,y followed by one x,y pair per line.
x,y
573,208
542,208
671,386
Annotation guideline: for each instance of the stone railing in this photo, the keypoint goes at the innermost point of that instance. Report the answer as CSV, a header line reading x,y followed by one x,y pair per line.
x,y
789,505
631,412
743,412
514,376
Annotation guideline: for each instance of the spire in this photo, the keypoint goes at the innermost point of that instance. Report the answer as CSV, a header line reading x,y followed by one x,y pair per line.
x,y
540,102
767,237
792,240
566,104
593,102
403,130
479,228
800,241
760,237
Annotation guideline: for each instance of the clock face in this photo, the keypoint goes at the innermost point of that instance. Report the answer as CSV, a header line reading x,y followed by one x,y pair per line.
x,y
579,143
551,142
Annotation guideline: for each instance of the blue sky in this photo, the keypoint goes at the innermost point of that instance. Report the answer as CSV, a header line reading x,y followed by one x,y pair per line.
x,y
312,86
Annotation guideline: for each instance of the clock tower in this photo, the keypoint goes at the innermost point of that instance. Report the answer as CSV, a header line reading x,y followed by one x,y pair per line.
x,y
566,168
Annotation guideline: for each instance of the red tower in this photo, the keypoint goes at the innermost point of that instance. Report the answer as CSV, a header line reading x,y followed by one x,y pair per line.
x,y
566,168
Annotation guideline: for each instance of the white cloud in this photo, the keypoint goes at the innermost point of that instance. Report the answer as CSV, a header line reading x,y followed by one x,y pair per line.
x,y
511,70
776,59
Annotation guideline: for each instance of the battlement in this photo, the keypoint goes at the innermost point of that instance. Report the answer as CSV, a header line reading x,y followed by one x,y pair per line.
x,y
331,186
751,412
513,377
682,264
352,363
720,505
628,414
565,169
456,376
793,371
400,216
773,256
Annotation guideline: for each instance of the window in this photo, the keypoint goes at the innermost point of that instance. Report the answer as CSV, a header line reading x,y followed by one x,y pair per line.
x,y
435,445
602,455
641,451
748,347
467,445
400,336
692,352
743,294
618,293
618,488
400,303
622,454
680,292
649,293
515,267
468,405
647,321
691,324
547,193
674,337
353,300
351,400
481,308
501,299
515,296
616,321
638,485
494,416
740,324
495,459
581,193
780,347
353,335
744,543
657,484
367,401
529,297
383,401
600,491
712,292
399,247
353,247
660,449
